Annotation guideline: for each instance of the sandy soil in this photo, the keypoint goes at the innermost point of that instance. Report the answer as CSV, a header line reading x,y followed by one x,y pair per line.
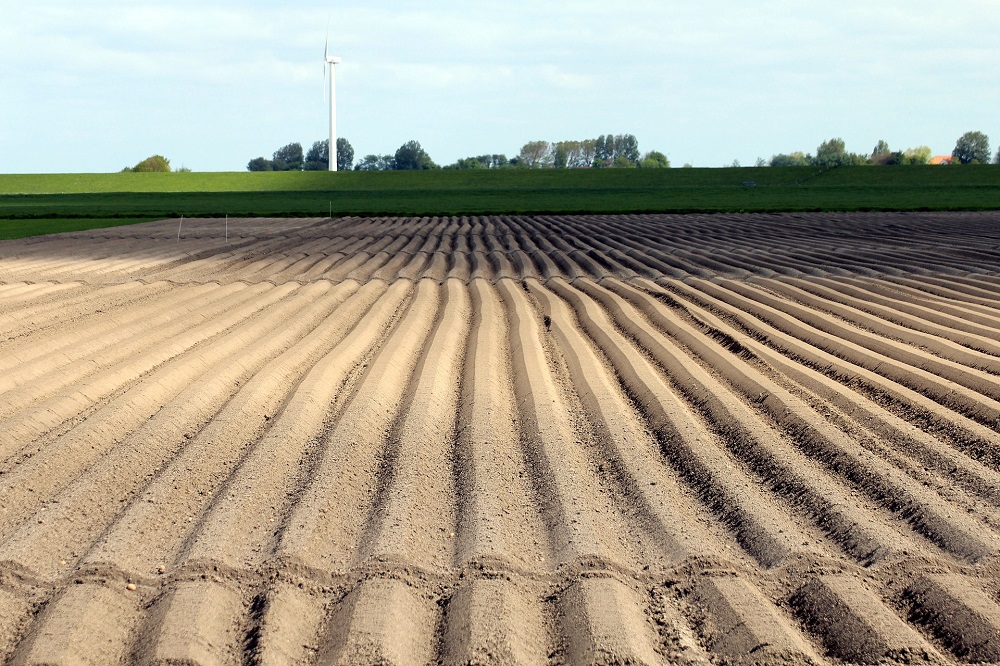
x,y
511,440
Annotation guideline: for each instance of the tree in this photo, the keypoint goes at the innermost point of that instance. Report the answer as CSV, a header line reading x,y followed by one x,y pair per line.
x,y
496,161
604,148
797,158
918,155
627,146
260,164
831,153
996,160
881,148
345,154
376,163
536,155
412,157
318,157
972,148
152,164
587,153
608,148
654,160
289,158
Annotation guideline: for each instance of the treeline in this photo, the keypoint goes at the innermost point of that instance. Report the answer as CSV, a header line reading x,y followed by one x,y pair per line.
x,y
291,158
606,151
971,148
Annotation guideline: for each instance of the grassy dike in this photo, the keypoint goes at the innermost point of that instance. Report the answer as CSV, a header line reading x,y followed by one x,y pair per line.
x,y
48,203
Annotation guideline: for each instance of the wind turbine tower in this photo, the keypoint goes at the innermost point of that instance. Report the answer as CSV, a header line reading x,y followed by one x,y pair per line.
x,y
329,63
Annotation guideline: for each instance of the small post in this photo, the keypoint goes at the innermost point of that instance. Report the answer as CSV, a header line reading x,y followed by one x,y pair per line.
x,y
227,227
179,224
331,209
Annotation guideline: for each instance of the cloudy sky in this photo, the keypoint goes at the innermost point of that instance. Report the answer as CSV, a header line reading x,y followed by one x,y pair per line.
x,y
95,86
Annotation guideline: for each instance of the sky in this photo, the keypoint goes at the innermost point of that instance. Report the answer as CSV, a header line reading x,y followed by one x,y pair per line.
x,y
100,85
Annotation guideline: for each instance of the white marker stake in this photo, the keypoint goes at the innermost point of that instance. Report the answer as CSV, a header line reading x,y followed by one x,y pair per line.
x,y
227,227
179,223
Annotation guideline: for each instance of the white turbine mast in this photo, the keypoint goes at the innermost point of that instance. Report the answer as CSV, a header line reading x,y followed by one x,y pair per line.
x,y
329,63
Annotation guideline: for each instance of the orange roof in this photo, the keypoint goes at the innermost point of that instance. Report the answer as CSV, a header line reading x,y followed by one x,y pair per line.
x,y
941,159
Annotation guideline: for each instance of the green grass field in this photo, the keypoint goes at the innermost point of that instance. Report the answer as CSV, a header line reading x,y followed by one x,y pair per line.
x,y
49,203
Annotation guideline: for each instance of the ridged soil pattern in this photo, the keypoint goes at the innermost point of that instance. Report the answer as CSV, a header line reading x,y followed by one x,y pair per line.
x,y
729,439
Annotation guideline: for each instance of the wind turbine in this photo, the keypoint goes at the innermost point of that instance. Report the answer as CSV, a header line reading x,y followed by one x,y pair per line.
x,y
330,62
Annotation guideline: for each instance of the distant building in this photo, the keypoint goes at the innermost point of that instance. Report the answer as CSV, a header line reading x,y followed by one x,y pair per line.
x,y
941,159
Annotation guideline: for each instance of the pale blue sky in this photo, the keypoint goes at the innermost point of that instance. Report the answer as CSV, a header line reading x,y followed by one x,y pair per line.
x,y
96,86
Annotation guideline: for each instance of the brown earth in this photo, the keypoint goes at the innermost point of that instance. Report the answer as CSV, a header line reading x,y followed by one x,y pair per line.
x,y
593,439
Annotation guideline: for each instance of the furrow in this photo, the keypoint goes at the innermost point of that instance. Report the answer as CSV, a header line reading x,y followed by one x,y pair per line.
x,y
975,439
143,325
628,453
52,467
77,516
905,354
927,513
880,322
685,441
757,444
141,540
946,392
415,514
565,480
498,522
327,524
873,421
43,415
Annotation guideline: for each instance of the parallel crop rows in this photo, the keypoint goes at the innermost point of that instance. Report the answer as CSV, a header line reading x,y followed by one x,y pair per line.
x,y
618,439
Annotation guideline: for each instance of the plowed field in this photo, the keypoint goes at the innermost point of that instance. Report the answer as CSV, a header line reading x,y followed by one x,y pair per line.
x,y
513,440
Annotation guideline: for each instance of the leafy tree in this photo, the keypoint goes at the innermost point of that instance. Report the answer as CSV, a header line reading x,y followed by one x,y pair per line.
x,y
152,164
761,162
627,146
654,160
608,148
536,155
972,148
260,164
376,163
881,148
412,157
918,155
318,157
499,161
996,160
467,163
289,158
602,152
797,158
588,148
622,162
893,158
345,154
831,153
496,161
